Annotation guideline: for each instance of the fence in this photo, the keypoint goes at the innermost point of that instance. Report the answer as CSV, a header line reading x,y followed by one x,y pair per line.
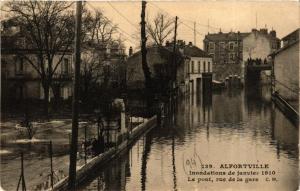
x,y
47,166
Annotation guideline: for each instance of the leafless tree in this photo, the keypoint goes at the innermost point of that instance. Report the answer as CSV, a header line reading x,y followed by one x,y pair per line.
x,y
100,28
48,29
160,28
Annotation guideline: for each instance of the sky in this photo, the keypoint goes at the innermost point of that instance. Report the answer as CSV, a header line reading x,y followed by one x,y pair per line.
x,y
282,16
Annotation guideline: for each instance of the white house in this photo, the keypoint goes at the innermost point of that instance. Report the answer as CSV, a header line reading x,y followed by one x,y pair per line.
x,y
200,62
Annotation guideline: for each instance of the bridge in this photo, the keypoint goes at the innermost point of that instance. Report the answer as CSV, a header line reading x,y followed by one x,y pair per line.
x,y
254,68
258,65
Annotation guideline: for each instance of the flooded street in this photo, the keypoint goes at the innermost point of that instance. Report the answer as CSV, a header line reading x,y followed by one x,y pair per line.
x,y
230,127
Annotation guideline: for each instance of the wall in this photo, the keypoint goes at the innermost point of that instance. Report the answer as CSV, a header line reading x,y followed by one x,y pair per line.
x,y
286,69
255,45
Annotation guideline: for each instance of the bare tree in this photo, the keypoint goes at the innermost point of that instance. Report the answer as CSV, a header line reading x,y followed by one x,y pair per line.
x,y
100,28
160,28
91,72
48,26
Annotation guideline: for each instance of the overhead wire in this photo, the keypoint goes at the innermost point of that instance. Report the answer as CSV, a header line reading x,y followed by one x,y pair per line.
x,y
120,30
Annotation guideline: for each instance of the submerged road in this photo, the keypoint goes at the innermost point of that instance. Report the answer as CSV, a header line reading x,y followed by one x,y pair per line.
x,y
240,131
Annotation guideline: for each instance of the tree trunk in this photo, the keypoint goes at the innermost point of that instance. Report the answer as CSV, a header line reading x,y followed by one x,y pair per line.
x,y
146,70
56,95
46,88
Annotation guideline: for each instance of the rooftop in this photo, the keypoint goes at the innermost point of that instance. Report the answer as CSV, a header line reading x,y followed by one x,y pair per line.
x,y
225,36
194,51
238,35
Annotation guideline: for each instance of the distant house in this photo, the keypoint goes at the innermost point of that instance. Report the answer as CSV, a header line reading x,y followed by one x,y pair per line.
x,y
19,79
95,57
199,64
159,60
286,69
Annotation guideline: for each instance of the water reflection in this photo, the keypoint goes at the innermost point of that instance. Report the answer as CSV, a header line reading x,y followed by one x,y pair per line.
x,y
241,126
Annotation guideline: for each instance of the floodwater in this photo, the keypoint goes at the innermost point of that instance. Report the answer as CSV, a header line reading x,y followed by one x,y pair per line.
x,y
229,127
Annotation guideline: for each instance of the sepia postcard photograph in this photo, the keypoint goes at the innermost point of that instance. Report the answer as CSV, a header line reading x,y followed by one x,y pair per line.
x,y
149,95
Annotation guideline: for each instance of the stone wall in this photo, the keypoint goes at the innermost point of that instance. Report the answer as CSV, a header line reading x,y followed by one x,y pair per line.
x,y
286,68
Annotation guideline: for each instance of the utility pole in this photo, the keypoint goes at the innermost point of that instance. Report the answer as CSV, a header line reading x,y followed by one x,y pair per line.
x,y
256,20
174,52
208,26
145,67
74,141
195,33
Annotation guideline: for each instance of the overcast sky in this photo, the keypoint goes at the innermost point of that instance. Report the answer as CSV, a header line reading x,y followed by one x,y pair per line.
x,y
227,15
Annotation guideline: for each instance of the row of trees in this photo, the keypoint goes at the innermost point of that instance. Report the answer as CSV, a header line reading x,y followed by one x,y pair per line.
x,y
48,28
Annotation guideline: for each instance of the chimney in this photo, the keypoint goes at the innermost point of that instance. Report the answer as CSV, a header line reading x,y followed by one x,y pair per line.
x,y
264,31
167,43
130,51
273,33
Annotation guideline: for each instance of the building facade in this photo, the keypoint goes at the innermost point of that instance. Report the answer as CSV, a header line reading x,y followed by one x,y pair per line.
x,y
286,69
198,64
227,50
20,78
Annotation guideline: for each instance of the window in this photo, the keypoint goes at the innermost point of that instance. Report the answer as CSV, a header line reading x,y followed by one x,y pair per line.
x,y
65,66
19,66
231,45
204,66
213,56
208,66
231,56
192,67
211,45
199,67
222,45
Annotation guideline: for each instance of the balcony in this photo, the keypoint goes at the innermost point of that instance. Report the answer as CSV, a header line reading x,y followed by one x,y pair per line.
x,y
19,76
63,76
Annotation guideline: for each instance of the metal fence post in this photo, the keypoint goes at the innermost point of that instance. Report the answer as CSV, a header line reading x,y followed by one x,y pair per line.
x,y
22,175
85,143
51,163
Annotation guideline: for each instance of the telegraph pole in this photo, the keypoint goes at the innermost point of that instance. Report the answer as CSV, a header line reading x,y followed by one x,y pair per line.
x,y
74,141
208,26
146,70
174,51
195,33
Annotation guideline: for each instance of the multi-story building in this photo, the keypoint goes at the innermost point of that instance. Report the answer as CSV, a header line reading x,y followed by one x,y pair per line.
x,y
224,48
19,76
199,64
227,50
